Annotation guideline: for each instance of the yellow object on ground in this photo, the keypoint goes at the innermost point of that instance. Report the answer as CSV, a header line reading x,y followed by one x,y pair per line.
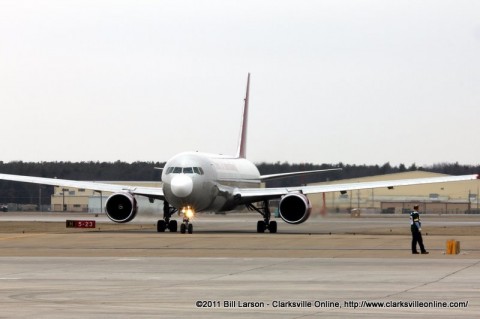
x,y
453,247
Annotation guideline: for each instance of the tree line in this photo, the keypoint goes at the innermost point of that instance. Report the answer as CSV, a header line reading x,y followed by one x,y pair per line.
x,y
23,193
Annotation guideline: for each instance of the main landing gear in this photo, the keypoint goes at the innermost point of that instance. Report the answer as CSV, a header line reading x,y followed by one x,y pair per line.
x,y
266,223
165,223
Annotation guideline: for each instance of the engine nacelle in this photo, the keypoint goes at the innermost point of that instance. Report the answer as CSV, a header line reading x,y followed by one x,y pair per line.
x,y
121,207
294,208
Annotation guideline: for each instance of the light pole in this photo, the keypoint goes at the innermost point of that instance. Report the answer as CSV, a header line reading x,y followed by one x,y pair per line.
x,y
373,200
63,202
40,197
101,201
469,201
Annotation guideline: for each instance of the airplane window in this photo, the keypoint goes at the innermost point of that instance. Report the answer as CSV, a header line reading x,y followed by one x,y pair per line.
x,y
169,170
196,170
201,170
187,170
177,170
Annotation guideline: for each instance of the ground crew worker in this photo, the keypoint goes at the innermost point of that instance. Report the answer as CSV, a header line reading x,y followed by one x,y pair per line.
x,y
416,228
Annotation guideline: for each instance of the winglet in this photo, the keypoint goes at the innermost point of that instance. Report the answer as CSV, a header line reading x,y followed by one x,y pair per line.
x,y
242,140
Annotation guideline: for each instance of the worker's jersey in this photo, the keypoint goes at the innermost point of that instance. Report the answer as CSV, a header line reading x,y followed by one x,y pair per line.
x,y
414,220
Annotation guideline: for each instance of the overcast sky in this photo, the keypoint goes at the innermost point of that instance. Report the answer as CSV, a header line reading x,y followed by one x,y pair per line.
x,y
332,81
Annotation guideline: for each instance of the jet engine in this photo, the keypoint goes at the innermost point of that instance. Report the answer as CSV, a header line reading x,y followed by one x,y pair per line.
x,y
294,208
121,207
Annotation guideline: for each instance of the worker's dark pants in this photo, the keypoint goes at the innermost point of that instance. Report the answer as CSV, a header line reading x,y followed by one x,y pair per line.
x,y
417,238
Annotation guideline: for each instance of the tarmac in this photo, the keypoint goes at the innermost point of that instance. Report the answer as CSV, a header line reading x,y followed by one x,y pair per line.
x,y
333,267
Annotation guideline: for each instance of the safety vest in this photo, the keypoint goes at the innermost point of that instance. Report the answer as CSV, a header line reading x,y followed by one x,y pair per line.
x,y
415,220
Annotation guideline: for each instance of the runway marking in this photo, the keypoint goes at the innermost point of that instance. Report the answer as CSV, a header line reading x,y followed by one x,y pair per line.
x,y
23,236
10,278
434,281
128,259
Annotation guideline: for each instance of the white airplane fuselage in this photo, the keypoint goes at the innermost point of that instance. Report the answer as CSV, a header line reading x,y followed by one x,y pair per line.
x,y
207,182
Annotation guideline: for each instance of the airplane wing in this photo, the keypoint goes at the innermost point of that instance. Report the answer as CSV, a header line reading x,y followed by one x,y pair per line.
x,y
256,194
282,175
153,192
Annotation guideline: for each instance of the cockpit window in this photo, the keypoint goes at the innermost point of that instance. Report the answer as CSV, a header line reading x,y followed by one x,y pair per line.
x,y
187,170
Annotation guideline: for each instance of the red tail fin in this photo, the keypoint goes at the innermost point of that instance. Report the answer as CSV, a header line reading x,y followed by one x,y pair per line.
x,y
242,141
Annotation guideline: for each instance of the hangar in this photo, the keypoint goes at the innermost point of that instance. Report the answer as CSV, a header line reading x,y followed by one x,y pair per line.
x,y
86,200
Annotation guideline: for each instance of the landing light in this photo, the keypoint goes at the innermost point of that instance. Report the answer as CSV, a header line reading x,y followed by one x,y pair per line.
x,y
188,212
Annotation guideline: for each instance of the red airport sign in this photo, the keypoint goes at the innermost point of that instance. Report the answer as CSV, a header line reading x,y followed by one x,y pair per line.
x,y
80,224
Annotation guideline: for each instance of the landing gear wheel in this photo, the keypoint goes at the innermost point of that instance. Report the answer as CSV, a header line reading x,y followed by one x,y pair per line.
x,y
272,227
183,228
172,226
161,226
261,226
190,228
264,224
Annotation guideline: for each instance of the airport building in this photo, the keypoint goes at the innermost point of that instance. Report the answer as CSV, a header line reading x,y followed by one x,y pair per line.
x,y
85,200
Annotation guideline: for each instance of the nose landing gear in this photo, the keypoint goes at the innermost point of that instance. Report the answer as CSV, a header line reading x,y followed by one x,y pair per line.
x,y
186,226
188,213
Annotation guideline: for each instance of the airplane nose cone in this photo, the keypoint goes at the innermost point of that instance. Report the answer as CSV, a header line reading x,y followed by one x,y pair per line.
x,y
181,185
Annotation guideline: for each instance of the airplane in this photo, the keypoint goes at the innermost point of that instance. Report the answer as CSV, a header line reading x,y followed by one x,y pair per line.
x,y
195,182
